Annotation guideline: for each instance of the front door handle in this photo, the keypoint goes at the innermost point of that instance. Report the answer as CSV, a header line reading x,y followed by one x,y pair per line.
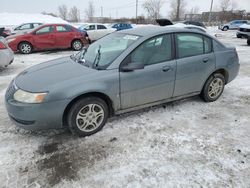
x,y
166,69
205,60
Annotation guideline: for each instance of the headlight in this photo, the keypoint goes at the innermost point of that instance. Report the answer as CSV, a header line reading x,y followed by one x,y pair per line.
x,y
27,97
10,40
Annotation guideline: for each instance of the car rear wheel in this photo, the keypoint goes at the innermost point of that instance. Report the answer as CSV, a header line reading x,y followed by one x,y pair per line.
x,y
77,45
213,87
87,116
225,28
25,48
248,41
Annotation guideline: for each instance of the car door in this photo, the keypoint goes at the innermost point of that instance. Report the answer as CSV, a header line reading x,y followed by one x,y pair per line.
x,y
101,31
44,38
155,81
63,36
195,61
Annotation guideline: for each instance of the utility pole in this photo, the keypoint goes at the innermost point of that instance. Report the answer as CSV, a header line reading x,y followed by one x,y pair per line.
x,y
136,12
210,13
101,11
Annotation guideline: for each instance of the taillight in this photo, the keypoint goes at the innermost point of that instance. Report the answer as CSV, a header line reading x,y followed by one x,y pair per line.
x,y
2,46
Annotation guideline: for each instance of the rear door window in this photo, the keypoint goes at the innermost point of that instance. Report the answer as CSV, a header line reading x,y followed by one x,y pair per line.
x,y
62,28
191,44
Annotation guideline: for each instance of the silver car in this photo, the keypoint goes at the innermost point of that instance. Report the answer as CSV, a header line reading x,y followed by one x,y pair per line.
x,y
25,27
6,54
124,71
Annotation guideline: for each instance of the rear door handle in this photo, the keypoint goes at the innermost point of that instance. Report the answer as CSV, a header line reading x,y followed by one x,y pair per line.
x,y
166,68
205,60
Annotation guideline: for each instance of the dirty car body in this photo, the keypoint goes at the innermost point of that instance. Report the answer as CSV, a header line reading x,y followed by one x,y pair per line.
x,y
138,68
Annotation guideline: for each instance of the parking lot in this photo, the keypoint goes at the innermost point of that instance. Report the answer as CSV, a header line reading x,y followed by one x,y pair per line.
x,y
182,143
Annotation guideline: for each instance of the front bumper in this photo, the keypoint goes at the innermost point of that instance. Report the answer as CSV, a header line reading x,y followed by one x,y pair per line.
x,y
243,34
35,116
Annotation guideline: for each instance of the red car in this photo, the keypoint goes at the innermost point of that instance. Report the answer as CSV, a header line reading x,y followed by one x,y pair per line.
x,y
48,36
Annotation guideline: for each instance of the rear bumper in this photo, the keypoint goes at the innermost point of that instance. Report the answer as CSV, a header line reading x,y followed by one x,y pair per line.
x,y
6,57
233,71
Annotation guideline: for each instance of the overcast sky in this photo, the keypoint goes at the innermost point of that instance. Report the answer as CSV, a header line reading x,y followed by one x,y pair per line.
x,y
113,8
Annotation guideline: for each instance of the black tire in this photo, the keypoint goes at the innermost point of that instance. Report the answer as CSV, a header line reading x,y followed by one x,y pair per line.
x,y
207,89
238,36
25,48
75,120
248,41
225,28
77,45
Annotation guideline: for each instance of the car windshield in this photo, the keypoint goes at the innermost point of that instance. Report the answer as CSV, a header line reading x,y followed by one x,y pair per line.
x,y
104,51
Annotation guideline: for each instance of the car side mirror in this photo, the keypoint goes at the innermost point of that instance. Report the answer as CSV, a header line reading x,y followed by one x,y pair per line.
x,y
132,66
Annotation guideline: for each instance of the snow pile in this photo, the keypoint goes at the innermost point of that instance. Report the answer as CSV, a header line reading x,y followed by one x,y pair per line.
x,y
12,19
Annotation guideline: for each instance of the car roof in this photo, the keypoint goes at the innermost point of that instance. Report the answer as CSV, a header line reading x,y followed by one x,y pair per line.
x,y
155,30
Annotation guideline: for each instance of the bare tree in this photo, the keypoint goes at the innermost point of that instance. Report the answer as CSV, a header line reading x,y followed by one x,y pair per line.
x,y
177,9
90,11
153,8
225,5
74,14
49,13
63,11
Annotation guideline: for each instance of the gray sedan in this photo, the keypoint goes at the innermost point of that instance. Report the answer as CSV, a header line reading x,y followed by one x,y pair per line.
x,y
6,54
122,72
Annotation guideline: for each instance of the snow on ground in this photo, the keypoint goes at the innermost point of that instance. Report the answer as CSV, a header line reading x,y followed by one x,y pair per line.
x,y
12,19
186,143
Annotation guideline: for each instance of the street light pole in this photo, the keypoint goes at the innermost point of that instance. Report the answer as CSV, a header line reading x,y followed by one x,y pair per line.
x,y
136,12
210,13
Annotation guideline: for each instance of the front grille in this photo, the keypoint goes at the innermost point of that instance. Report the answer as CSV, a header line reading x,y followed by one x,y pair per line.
x,y
10,91
244,30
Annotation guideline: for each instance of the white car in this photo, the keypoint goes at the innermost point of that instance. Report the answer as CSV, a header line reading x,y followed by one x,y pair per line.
x,y
6,54
96,30
26,27
244,32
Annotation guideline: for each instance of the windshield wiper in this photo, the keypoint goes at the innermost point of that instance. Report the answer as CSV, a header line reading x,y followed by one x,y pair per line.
x,y
97,57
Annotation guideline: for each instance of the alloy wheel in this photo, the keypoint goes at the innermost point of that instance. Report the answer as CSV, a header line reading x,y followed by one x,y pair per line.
x,y
77,45
90,117
25,48
215,88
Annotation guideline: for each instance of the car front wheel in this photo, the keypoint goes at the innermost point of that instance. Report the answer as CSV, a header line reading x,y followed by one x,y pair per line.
x,y
87,116
25,48
213,87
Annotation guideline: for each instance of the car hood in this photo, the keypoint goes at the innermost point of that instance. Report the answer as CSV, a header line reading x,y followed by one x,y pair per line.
x,y
42,77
